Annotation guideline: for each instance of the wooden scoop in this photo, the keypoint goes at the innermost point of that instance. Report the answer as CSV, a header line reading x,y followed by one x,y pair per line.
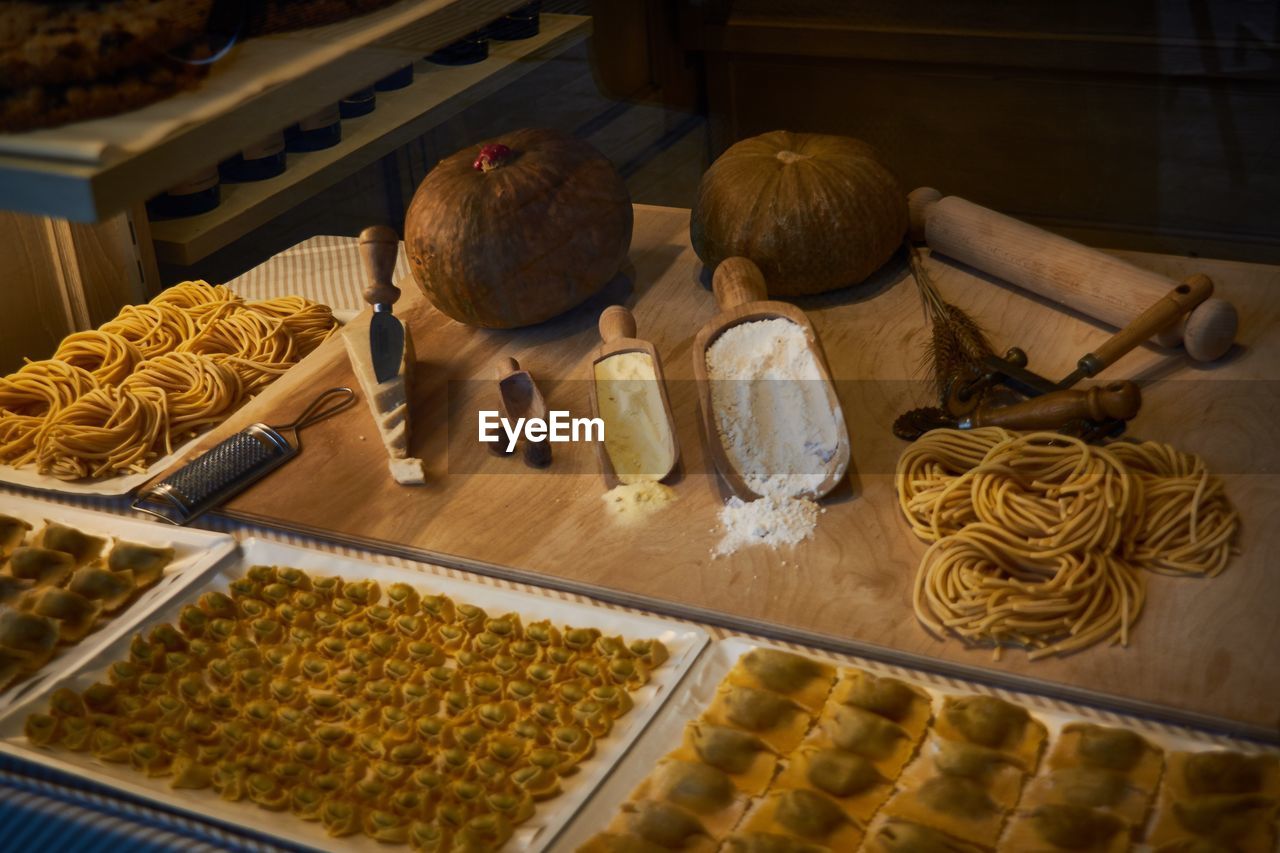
x,y
519,397
618,333
742,296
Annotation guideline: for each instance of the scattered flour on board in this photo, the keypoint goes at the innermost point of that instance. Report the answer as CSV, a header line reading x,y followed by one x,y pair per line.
x,y
777,428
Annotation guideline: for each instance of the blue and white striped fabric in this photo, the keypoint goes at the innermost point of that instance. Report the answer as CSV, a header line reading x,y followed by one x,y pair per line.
x,y
44,810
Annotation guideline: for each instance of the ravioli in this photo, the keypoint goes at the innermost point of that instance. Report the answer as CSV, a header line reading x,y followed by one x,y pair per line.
x,y
82,546
12,532
1218,797
804,680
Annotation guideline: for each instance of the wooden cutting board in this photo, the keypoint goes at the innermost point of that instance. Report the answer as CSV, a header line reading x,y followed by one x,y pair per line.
x,y
1204,649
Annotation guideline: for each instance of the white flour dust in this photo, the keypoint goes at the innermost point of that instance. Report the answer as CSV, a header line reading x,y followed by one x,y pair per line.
x,y
777,428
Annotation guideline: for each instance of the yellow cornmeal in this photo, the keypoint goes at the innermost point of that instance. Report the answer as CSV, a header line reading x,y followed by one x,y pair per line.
x,y
637,435
632,502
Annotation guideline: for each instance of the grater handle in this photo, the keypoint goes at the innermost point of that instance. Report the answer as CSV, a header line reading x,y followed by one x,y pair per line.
x,y
327,404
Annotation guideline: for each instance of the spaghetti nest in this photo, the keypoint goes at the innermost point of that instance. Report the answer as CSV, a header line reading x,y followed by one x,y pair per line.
x,y
113,400
1039,540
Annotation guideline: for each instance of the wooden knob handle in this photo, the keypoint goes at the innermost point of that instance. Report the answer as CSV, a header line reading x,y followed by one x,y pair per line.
x,y
505,366
1164,313
1050,411
379,246
738,281
919,201
1210,330
617,322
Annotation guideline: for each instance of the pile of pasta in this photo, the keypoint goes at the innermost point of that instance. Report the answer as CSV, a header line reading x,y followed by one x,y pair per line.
x,y
1040,540
56,587
403,716
112,400
793,756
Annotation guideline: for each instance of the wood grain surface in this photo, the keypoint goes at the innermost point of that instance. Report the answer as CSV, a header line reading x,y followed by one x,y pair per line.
x,y
1203,649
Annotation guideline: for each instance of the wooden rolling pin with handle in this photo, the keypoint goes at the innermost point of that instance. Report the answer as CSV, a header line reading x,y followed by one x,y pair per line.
x,y
1092,282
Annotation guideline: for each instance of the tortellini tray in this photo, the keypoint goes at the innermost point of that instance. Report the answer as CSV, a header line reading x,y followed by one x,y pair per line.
x,y
766,751
60,609
339,704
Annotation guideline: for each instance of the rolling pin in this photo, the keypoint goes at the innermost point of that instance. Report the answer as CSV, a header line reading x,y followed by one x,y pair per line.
x,y
1091,282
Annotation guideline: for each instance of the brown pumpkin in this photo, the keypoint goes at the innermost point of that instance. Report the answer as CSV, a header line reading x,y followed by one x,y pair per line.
x,y
814,212
518,229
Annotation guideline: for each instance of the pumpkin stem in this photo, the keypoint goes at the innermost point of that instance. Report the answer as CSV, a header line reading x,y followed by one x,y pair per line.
x,y
792,156
491,157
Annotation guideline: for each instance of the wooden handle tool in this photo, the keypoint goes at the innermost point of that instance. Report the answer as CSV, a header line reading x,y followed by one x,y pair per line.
x,y
379,246
519,397
1119,400
1092,282
1166,311
741,294
618,335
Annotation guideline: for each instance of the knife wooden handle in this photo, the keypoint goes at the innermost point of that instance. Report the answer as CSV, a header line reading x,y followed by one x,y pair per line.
x,y
1119,400
379,246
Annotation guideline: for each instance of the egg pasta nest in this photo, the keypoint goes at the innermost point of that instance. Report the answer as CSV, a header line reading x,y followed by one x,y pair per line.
x,y
114,399
404,716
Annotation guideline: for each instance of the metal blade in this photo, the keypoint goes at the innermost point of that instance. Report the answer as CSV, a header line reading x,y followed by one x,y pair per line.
x,y
386,345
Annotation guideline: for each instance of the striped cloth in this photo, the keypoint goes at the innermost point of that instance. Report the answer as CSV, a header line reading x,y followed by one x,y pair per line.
x,y
44,810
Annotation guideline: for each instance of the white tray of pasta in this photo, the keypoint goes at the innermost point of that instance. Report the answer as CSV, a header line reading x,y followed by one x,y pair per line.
x,y
115,405
780,748
341,704
72,581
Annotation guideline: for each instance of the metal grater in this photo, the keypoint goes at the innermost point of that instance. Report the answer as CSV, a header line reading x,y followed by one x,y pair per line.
x,y
234,463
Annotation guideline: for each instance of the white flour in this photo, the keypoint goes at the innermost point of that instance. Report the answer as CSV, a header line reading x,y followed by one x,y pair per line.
x,y
777,428
771,521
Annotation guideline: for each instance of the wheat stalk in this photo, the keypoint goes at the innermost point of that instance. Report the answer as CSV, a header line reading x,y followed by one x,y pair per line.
x,y
958,345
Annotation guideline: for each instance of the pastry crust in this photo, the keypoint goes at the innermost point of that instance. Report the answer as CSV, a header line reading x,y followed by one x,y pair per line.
x,y
82,41
49,106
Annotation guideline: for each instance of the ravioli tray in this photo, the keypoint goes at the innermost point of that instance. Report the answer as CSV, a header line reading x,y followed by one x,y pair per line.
x,y
198,553
665,733
684,642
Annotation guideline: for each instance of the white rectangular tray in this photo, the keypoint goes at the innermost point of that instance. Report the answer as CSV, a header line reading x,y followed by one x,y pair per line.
x,y
698,688
198,553
685,642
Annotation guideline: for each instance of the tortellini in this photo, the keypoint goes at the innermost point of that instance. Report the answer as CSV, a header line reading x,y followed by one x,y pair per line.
x,y
404,717
57,586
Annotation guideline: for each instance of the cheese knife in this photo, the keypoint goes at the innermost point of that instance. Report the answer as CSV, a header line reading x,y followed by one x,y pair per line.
x,y
379,246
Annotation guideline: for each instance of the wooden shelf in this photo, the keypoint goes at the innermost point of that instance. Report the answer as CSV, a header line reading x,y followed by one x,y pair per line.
x,y
266,82
437,93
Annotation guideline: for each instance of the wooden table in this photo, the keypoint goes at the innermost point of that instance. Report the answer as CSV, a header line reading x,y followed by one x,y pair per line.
x,y
1204,651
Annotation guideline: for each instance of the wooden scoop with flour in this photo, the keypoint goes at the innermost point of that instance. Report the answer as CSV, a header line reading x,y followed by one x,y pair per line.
x,y
618,336
742,297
